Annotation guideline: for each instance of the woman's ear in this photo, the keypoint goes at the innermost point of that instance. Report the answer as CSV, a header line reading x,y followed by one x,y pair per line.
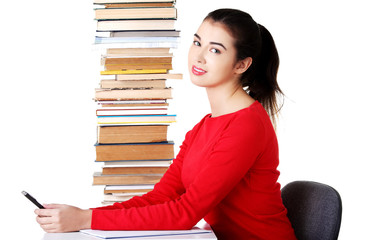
x,y
243,65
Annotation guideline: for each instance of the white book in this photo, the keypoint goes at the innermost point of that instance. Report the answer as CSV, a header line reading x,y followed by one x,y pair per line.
x,y
134,25
101,46
100,40
127,194
173,33
156,233
120,198
135,119
136,55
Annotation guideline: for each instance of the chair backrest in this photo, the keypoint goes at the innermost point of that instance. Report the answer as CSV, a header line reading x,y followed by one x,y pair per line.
x,y
314,210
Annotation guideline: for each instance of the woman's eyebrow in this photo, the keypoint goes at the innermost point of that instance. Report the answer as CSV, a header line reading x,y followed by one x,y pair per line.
x,y
220,44
216,43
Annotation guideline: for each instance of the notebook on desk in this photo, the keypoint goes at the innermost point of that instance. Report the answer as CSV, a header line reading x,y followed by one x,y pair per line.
x,y
165,234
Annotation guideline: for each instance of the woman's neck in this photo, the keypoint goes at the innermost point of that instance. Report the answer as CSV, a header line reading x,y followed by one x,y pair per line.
x,y
227,100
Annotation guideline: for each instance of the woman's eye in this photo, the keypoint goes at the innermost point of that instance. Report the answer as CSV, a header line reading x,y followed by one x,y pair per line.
x,y
196,43
214,50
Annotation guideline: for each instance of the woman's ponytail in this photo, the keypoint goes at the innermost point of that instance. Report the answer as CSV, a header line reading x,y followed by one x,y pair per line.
x,y
264,86
255,41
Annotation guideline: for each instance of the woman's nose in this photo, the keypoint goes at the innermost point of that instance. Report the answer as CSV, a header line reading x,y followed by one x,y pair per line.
x,y
200,56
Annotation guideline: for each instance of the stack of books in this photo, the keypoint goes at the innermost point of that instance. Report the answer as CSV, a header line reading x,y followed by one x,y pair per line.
x,y
136,38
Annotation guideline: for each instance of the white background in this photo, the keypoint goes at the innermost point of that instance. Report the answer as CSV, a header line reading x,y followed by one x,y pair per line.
x,y
49,71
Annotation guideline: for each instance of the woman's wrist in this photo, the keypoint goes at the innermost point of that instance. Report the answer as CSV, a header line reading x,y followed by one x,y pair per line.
x,y
86,216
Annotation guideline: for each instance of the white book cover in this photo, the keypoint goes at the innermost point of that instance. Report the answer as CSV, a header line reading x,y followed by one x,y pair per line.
x,y
139,234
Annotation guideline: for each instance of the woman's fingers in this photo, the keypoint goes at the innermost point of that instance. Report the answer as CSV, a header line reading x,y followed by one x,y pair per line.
x,y
46,223
45,212
44,220
53,206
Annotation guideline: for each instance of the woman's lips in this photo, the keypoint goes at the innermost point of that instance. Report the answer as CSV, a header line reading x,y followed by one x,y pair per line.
x,y
198,71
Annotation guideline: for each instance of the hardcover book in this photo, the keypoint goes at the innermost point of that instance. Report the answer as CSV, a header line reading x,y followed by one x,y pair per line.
x,y
100,179
134,151
132,25
130,94
136,13
132,134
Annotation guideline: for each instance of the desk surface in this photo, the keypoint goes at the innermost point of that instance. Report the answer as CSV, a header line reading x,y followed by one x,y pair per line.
x,y
81,236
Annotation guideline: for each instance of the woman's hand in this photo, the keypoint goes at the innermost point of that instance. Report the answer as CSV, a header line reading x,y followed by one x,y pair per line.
x,y
63,218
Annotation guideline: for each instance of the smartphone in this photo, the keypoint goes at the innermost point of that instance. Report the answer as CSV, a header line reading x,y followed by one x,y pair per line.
x,y
32,199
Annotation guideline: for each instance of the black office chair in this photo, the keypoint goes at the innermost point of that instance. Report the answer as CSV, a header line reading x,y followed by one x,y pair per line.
x,y
314,210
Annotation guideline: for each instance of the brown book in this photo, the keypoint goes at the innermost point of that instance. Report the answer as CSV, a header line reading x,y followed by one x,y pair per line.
x,y
148,163
100,179
134,71
145,66
135,105
134,151
130,1
149,76
136,5
132,134
127,191
158,83
136,13
133,170
136,60
130,94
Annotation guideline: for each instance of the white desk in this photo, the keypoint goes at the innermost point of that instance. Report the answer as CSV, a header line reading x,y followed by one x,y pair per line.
x,y
81,236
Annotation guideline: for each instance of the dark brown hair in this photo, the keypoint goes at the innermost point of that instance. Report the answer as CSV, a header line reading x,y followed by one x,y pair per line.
x,y
255,41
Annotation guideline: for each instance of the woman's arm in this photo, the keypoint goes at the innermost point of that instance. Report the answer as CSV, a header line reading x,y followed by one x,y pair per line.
x,y
225,166
66,218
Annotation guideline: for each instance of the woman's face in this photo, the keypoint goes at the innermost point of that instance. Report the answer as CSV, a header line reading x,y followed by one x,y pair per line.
x,y
212,56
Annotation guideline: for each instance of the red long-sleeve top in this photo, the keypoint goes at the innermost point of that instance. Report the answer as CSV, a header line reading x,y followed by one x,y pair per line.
x,y
225,172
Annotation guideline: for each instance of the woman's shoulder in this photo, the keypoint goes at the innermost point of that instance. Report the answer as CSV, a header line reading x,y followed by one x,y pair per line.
x,y
254,113
251,119
251,115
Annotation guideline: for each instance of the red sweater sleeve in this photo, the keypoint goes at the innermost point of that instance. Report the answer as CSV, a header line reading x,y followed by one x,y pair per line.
x,y
174,206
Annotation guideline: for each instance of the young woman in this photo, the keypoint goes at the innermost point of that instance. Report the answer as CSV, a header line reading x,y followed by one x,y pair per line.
x,y
226,170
